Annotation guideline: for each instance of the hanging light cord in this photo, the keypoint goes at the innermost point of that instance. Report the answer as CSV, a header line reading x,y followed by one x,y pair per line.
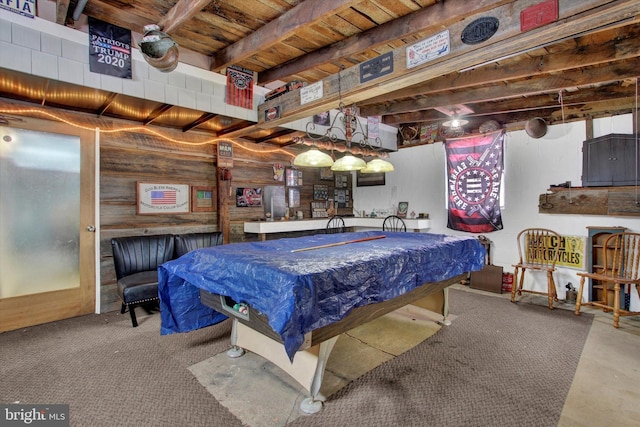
x,y
560,99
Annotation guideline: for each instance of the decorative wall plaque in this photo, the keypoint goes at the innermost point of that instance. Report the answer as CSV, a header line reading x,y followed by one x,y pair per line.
x,y
272,113
428,49
538,15
376,67
480,30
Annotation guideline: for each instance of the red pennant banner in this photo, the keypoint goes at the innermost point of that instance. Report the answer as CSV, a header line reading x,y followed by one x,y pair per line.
x,y
239,87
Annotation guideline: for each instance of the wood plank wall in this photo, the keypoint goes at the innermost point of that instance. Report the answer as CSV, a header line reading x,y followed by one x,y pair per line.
x,y
129,157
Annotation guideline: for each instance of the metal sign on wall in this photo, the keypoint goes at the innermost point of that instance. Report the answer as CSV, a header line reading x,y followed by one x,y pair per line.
x,y
25,7
225,154
571,251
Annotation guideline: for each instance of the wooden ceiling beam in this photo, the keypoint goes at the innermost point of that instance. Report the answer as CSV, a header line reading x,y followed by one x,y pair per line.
x,y
534,86
576,18
205,117
180,13
62,10
157,112
527,67
277,30
512,106
423,20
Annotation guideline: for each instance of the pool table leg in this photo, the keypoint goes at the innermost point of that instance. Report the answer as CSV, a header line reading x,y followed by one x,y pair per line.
x,y
235,350
312,404
445,308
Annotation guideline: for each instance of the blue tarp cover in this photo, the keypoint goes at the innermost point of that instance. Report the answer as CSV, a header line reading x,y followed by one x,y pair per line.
x,y
303,291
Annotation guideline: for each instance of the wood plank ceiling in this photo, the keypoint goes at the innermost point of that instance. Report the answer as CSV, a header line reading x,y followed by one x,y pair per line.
x,y
581,65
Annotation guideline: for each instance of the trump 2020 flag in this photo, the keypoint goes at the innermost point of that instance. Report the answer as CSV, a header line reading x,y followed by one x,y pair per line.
x,y
474,167
109,49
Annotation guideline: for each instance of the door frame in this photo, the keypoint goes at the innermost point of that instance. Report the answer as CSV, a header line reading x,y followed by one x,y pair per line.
x,y
29,310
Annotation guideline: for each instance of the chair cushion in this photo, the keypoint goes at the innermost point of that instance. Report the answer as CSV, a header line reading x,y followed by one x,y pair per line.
x,y
138,287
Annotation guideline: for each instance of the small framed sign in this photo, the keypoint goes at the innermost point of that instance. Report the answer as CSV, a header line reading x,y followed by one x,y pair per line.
x,y
294,198
247,197
369,179
294,177
202,199
162,198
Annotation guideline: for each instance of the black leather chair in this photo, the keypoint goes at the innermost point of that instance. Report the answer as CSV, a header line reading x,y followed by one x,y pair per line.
x,y
190,241
394,223
136,260
335,225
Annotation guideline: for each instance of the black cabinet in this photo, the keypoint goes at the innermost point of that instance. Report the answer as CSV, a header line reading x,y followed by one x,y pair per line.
x,y
609,160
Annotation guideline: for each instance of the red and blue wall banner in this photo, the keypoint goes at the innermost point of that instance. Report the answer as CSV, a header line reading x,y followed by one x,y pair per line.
x,y
475,165
239,87
109,49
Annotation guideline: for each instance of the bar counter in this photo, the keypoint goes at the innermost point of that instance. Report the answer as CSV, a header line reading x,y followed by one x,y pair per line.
x,y
262,228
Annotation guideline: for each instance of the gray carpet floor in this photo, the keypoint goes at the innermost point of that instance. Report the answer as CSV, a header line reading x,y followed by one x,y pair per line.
x,y
498,364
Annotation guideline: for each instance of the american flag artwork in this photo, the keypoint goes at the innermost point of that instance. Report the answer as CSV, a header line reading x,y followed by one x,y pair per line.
x,y
163,197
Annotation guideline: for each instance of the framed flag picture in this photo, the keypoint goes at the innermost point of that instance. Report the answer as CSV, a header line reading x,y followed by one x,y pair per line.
x,y
162,198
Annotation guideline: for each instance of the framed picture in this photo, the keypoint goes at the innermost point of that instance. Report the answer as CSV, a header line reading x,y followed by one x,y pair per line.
x,y
326,174
294,177
278,172
323,119
341,181
248,197
368,179
294,198
162,198
202,199
403,208
320,192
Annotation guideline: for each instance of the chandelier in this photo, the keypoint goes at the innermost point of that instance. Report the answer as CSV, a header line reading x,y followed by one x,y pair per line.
x,y
345,126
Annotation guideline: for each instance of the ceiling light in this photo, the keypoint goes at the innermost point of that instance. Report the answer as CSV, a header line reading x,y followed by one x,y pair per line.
x,y
348,163
378,166
455,123
159,49
313,158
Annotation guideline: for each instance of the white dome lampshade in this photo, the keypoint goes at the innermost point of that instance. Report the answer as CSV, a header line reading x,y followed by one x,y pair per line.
x,y
377,166
348,163
313,158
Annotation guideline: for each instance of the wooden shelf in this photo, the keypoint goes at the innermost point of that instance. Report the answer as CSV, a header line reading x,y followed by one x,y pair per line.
x,y
619,201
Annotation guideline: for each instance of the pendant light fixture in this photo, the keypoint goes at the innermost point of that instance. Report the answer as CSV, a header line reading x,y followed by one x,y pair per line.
x,y
350,130
313,158
378,166
348,163
456,121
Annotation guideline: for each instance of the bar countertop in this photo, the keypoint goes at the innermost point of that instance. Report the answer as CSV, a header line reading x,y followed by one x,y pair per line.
x,y
284,226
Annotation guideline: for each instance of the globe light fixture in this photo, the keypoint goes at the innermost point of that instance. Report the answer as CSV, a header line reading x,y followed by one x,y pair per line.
x,y
348,163
313,158
378,166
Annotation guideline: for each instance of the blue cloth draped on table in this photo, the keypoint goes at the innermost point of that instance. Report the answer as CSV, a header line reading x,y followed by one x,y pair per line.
x,y
305,290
